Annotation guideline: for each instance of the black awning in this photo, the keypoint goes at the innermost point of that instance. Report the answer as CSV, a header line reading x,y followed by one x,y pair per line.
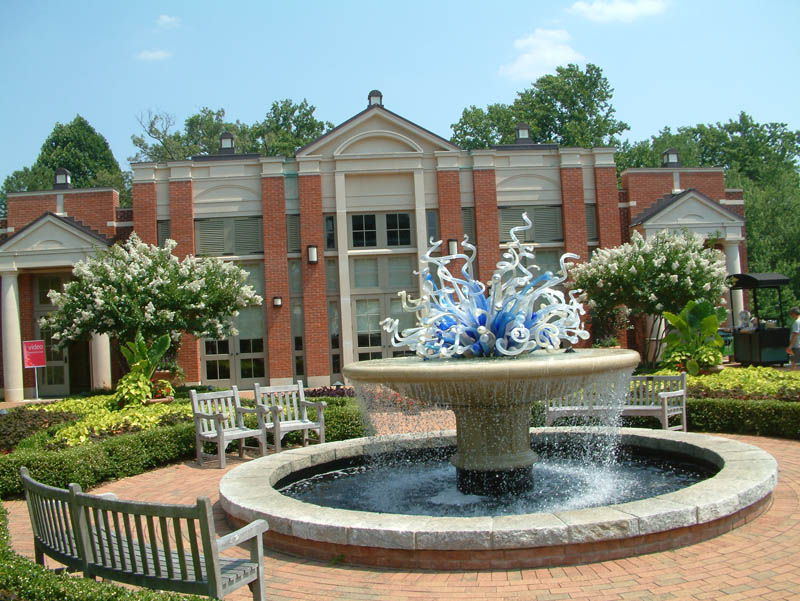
x,y
748,281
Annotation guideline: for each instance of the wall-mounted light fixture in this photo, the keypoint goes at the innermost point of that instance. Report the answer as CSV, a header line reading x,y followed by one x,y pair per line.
x,y
452,246
277,301
312,253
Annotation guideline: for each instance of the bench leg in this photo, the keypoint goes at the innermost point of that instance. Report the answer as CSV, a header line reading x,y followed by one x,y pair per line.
x,y
276,437
321,433
258,587
221,449
199,444
305,437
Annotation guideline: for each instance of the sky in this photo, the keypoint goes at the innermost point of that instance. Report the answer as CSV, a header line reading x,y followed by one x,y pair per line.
x,y
670,62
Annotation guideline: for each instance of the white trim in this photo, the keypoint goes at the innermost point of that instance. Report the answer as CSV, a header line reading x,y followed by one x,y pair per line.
x,y
377,133
738,202
119,223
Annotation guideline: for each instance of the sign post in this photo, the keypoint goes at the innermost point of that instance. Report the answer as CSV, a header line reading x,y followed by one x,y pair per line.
x,y
33,356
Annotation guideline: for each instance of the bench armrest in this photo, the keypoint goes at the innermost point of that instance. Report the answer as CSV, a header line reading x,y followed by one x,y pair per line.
x,y
317,404
253,529
664,397
215,416
257,409
108,495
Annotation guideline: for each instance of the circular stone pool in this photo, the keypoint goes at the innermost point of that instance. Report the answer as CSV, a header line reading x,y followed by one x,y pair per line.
x,y
739,491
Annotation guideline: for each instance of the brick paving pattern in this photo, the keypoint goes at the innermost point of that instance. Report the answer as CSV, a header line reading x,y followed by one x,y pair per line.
x,y
758,561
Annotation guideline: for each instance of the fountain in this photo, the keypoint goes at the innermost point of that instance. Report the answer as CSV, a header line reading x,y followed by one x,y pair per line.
x,y
489,358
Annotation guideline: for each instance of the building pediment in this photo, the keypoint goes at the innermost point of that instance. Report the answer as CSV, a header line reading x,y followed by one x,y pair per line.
x,y
693,211
376,131
50,241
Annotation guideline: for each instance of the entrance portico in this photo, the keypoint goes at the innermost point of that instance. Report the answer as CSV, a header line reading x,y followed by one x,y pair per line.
x,y
34,260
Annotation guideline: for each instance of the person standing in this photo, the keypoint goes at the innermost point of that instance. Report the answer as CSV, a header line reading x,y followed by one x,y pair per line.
x,y
794,338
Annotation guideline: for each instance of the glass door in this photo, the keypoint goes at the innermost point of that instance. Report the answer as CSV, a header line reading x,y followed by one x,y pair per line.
x,y
372,342
54,378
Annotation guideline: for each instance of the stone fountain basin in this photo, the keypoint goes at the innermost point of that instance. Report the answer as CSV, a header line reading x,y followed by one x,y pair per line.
x,y
739,492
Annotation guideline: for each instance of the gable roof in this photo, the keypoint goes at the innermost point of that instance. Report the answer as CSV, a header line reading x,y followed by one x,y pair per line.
x,y
669,200
305,150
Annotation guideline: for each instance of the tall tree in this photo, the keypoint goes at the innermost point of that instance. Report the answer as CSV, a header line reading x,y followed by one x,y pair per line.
x,y
571,108
79,148
286,127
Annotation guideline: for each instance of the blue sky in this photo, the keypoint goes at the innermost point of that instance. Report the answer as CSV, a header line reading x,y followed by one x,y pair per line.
x,y
671,62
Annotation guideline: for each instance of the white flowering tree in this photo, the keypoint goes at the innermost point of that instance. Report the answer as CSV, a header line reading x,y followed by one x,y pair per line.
x,y
135,287
648,277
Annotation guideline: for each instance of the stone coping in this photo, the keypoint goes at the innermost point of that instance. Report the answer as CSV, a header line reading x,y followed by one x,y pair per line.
x,y
747,476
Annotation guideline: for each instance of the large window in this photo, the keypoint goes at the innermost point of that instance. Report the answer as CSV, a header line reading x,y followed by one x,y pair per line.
x,y
388,230
228,236
380,274
546,220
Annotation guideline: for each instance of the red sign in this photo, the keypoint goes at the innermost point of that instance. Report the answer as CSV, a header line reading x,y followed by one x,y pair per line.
x,y
33,353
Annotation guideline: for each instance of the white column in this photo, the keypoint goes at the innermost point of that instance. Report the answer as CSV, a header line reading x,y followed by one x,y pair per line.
x,y
734,265
100,347
343,244
421,219
12,338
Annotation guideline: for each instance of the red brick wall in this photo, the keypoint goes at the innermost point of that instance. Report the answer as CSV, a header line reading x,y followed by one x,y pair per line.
x,y
315,311
608,214
144,212
94,209
26,325
181,215
27,209
276,277
710,184
487,230
574,212
646,188
448,188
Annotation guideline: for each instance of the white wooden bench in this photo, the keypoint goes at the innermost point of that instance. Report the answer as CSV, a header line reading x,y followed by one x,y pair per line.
x,y
288,411
647,396
153,545
219,419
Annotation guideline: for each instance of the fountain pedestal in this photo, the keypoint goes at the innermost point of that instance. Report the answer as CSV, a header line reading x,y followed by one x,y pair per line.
x,y
491,398
493,445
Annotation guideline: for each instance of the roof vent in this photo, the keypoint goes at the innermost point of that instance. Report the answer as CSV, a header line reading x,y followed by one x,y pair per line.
x,y
375,98
63,179
226,143
670,158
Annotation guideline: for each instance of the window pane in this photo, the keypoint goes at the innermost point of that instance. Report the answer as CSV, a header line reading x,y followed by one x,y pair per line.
x,y
245,346
330,232
211,347
432,225
222,347
224,367
46,284
398,229
258,345
364,232
401,272
299,366
331,276
336,364
295,278
365,273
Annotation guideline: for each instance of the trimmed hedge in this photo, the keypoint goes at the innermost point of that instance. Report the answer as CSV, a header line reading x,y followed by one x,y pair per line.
x,y
90,464
22,579
780,419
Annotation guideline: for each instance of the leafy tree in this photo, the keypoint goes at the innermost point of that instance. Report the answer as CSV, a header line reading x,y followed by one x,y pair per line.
x,y
286,127
77,147
136,288
649,277
571,108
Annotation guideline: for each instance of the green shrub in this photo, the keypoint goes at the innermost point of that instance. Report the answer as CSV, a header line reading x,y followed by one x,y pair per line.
x,y
91,464
736,416
343,422
745,383
20,422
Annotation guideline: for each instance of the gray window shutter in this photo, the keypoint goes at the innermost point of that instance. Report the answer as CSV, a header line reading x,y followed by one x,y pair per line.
x,y
591,222
209,237
547,225
293,233
248,236
163,232
511,217
468,223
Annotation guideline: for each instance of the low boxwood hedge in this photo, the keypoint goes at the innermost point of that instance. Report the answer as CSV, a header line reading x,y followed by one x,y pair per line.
x,y
23,580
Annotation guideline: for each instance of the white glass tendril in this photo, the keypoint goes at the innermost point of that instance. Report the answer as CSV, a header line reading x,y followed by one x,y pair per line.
x,y
522,312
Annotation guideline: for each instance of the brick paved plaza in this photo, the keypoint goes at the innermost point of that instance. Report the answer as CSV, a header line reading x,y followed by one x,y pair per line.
x,y
757,561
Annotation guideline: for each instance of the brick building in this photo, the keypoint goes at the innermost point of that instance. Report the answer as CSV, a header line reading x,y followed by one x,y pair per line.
x,y
331,235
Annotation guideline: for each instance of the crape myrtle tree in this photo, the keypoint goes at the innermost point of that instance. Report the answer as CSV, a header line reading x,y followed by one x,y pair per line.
x,y
138,288
650,276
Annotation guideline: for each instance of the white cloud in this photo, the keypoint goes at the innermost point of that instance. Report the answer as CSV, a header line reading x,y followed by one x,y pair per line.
x,y
154,55
542,52
167,22
626,11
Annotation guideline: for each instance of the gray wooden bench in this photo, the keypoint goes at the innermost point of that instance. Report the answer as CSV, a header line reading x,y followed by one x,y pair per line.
x,y
661,397
219,419
288,411
153,545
